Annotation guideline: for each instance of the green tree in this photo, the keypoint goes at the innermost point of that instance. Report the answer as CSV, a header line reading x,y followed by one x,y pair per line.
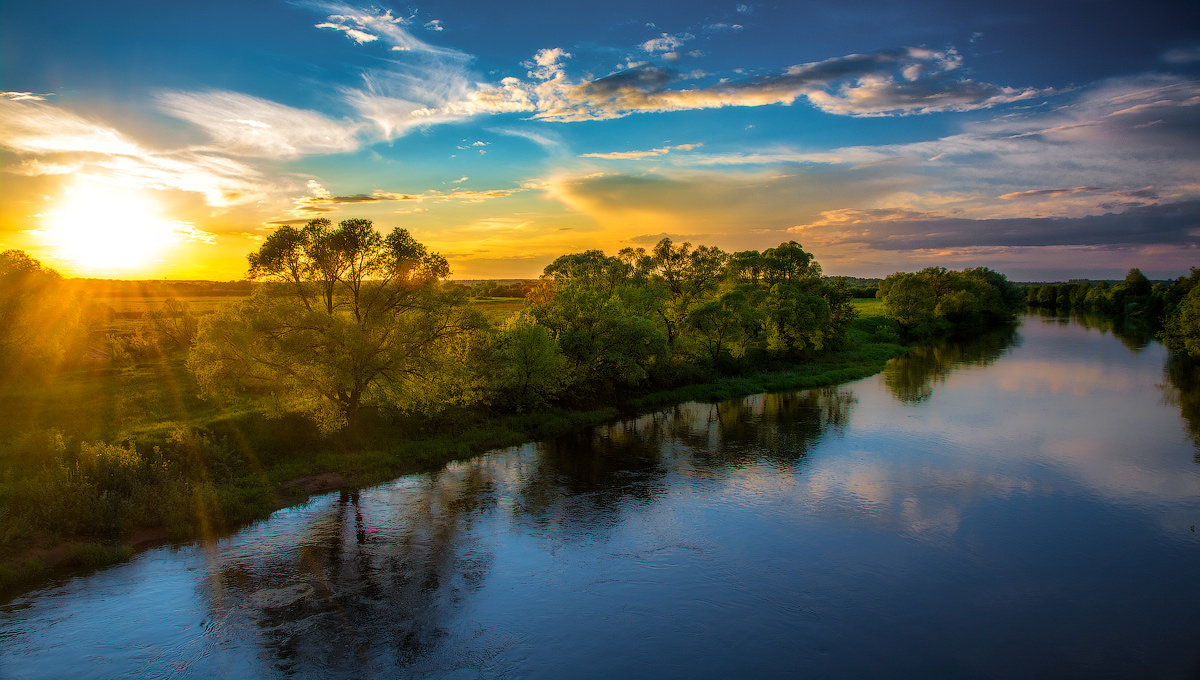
x,y
522,365
687,276
909,299
1181,333
345,317
728,325
605,342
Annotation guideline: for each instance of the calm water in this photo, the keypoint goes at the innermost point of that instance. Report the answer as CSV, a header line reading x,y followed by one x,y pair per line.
x,y
1021,506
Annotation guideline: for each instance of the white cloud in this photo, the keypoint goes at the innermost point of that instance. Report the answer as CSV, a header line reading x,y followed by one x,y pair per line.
x,y
666,42
640,155
434,25
354,34
248,126
381,25
49,140
23,96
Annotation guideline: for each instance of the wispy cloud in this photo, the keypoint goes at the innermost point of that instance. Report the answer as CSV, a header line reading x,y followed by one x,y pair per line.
x,y
1182,55
23,96
369,24
640,155
248,126
320,200
49,140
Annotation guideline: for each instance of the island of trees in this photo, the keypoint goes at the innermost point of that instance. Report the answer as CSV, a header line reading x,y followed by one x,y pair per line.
x,y
352,358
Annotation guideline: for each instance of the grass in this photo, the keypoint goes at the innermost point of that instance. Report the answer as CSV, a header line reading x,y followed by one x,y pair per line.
x,y
868,306
497,310
182,468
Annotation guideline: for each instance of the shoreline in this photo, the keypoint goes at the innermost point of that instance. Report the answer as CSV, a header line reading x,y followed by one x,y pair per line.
x,y
44,561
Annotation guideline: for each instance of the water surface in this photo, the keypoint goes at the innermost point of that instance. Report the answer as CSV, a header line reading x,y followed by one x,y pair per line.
x,y
1023,505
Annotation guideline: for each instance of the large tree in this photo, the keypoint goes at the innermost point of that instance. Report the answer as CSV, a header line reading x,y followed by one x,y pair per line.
x,y
345,316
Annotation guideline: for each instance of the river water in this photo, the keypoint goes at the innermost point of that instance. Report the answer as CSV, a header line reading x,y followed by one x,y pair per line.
x,y
1022,505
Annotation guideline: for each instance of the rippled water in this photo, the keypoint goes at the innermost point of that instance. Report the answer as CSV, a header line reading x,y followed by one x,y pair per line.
x,y
1025,505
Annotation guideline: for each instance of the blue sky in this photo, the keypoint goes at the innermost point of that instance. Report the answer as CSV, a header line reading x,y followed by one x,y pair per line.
x,y
1046,140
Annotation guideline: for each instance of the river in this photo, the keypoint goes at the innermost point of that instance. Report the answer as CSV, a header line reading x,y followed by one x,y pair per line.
x,y
1022,505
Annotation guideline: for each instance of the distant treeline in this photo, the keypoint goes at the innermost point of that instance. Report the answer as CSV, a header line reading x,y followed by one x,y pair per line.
x,y
1171,310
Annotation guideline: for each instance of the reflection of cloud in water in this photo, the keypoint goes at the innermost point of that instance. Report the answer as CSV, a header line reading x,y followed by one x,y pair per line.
x,y
1076,379
922,502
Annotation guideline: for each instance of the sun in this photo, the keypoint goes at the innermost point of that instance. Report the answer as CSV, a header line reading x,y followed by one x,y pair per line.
x,y
101,230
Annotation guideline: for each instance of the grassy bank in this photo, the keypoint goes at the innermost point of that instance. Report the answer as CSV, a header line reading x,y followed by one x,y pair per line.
x,y
97,464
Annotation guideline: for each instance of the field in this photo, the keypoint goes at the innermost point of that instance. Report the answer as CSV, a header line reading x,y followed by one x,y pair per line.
x,y
498,309
868,306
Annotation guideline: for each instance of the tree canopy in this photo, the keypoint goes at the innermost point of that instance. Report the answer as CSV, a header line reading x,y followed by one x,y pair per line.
x,y
349,316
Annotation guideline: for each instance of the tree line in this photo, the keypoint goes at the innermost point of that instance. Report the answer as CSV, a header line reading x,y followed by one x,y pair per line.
x,y
348,317
345,319
1170,310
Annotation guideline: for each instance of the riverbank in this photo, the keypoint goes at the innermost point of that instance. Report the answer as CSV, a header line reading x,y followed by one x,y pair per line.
x,y
251,466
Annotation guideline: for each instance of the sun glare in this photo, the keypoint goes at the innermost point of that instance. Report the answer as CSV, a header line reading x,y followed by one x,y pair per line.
x,y
99,230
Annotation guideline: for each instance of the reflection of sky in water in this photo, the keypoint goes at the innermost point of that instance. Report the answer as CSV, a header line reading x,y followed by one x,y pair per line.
x,y
1008,509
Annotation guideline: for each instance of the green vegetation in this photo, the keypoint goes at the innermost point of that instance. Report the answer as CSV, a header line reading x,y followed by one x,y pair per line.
x,y
936,302
351,362
1136,307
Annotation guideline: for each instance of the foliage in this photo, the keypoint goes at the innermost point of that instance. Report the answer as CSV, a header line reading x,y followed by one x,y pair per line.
x,y
523,367
174,324
936,301
348,317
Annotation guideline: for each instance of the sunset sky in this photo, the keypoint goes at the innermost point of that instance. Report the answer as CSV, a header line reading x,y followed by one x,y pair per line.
x,y
1044,139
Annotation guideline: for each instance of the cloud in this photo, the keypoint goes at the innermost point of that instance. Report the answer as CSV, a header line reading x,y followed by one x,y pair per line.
x,y
1171,223
639,155
321,200
749,209
1052,193
906,81
23,96
1182,55
434,25
549,141
666,42
49,140
367,25
1096,151
248,126
354,34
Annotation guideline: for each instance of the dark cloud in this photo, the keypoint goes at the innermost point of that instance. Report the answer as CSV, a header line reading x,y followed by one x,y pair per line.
x,y
642,78
1164,224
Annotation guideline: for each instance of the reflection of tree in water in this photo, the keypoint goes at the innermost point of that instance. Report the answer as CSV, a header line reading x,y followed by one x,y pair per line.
x,y
580,482
780,428
1182,388
359,592
583,484
1134,335
911,378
